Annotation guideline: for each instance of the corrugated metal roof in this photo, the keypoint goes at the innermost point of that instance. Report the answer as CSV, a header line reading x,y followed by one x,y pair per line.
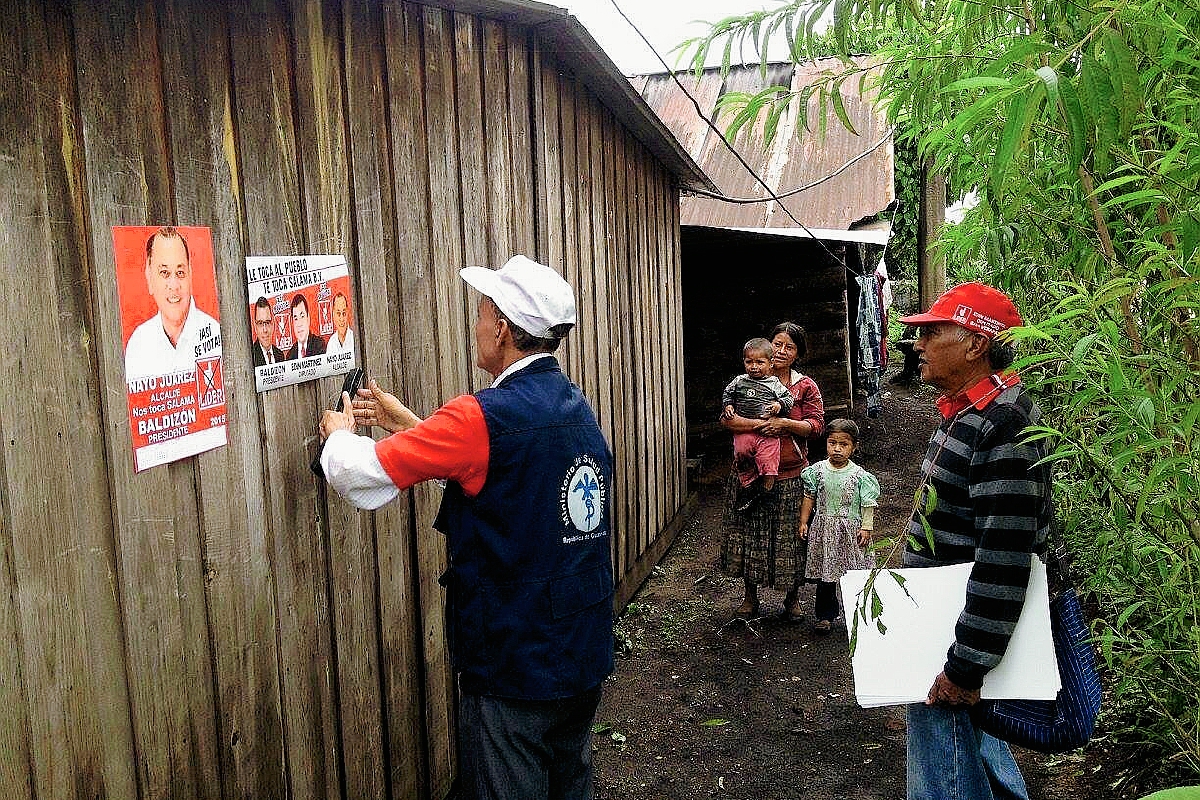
x,y
797,157
570,41
864,235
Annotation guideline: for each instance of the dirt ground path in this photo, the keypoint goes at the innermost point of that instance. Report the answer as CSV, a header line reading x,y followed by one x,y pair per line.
x,y
702,705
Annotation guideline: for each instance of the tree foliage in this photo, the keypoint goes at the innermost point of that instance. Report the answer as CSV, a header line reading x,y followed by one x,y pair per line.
x,y
1078,125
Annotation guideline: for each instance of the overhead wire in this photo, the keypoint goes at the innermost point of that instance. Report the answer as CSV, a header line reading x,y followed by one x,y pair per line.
x,y
799,189
771,194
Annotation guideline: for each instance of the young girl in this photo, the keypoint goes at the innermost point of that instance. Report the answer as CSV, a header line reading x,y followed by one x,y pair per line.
x,y
844,496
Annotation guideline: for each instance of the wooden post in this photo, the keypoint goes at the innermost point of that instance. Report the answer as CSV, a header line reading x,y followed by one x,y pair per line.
x,y
931,269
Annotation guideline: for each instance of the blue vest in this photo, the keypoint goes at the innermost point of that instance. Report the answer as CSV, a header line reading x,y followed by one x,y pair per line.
x,y
530,585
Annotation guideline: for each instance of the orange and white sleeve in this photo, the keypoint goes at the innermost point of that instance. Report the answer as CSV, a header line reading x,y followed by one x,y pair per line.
x,y
452,444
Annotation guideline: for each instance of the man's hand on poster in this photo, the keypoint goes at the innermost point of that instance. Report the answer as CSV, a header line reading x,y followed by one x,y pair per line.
x,y
374,406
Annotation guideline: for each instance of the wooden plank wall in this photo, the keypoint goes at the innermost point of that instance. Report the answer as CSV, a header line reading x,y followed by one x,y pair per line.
x,y
220,627
603,206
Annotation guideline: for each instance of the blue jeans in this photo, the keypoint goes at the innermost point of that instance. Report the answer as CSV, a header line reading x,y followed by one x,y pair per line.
x,y
950,759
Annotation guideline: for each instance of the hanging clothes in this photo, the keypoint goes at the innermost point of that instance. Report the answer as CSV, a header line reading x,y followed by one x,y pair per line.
x,y
870,338
885,310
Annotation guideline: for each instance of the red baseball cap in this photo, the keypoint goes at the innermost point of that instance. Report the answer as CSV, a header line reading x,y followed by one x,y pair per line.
x,y
973,306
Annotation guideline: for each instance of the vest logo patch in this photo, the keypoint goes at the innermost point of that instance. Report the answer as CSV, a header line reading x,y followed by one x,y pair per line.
x,y
582,497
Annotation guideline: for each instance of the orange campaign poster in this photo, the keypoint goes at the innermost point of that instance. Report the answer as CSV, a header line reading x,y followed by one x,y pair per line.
x,y
171,332
301,318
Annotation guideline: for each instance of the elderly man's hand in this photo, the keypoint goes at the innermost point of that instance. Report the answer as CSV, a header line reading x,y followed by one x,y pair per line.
x,y
374,406
946,692
337,420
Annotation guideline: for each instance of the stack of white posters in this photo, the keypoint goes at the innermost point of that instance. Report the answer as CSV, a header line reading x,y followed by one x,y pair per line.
x,y
900,665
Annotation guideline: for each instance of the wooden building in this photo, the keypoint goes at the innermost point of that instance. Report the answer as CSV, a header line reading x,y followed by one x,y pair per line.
x,y
219,627
753,263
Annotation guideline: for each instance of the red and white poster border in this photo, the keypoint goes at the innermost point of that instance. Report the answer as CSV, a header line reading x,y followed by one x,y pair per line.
x,y
171,338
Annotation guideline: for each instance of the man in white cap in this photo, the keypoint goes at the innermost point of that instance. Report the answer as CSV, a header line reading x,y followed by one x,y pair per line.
x,y
993,508
527,517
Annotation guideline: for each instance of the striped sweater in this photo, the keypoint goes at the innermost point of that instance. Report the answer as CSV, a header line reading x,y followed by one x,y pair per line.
x,y
993,508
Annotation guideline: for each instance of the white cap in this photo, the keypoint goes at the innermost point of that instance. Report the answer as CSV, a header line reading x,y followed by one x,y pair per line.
x,y
534,297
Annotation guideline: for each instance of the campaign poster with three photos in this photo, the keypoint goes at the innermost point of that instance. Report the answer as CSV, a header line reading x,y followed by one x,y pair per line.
x,y
171,338
301,318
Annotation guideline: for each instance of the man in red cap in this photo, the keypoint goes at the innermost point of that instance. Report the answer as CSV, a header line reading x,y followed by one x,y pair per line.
x,y
993,508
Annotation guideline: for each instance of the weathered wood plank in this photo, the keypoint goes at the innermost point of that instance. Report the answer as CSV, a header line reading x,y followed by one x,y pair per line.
x,y
25,205
634,499
415,370
90,515
59,625
16,761
634,286
637,573
570,177
274,220
642,268
237,558
618,297
417,360
600,270
321,129
500,187
548,157
379,310
473,178
648,318
667,398
353,587
674,322
520,103
677,343
832,379
159,572
662,401
615,359
586,263
453,366
446,198
666,323
595,253
669,322
675,317
826,345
